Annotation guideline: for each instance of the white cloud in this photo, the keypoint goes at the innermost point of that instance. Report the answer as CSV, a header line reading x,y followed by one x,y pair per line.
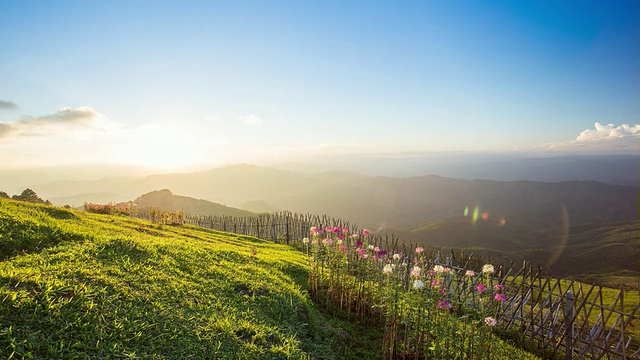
x,y
64,121
603,138
252,120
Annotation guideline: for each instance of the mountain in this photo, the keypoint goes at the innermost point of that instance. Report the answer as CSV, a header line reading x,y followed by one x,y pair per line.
x,y
377,202
165,200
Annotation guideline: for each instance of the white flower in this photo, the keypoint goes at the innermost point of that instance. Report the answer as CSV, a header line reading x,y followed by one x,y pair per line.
x,y
371,247
396,256
470,273
487,269
387,269
305,240
339,241
438,268
418,284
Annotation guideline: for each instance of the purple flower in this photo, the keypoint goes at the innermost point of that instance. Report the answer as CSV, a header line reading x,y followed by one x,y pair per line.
x,y
444,304
481,288
336,229
498,287
358,243
383,252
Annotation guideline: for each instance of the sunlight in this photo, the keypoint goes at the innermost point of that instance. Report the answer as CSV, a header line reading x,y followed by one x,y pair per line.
x,y
161,147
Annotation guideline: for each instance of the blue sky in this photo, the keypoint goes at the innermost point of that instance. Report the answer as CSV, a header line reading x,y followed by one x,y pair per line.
x,y
184,83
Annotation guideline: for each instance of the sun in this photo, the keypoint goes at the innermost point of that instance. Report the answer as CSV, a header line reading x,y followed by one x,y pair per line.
x,y
162,147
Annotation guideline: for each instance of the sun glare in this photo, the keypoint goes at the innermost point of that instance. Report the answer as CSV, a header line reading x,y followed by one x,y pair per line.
x,y
163,148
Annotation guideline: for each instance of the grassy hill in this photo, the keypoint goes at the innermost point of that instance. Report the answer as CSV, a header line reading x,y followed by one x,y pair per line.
x,y
80,285
165,200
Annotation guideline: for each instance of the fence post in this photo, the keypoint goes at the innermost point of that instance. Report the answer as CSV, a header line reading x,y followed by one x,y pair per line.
x,y
568,324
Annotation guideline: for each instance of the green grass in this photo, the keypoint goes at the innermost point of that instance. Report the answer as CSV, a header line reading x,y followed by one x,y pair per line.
x,y
79,285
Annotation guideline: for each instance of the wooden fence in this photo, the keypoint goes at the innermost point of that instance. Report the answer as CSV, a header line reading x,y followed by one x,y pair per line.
x,y
560,318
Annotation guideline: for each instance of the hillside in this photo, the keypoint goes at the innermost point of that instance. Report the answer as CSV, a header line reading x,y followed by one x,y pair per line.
x,y
80,285
165,200
603,252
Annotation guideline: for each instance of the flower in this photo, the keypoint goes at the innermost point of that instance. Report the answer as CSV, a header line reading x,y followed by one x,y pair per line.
x,y
415,272
314,241
438,269
442,292
327,241
370,247
396,256
339,241
336,229
435,284
365,232
446,270
313,230
345,230
305,241
444,304
376,249
383,252
470,273
354,235
358,243
344,248
487,269
498,287
432,273
418,284
490,321
419,249
387,269
500,297
481,288
362,253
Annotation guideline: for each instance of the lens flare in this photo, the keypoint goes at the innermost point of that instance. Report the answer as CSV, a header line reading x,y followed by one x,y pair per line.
x,y
466,211
564,236
474,217
485,216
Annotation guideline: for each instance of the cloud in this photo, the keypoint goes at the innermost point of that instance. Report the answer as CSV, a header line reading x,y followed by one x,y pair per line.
x,y
63,121
252,120
603,138
7,105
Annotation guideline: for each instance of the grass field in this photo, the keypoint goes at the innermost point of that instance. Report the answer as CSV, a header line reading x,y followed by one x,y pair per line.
x,y
80,285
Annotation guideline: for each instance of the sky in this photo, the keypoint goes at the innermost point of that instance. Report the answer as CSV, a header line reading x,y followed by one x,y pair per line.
x,y
178,84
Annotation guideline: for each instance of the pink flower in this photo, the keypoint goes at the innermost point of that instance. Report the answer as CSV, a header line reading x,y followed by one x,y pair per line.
x,y
362,253
319,231
490,321
345,230
376,249
365,232
344,248
313,230
419,249
327,241
354,236
446,270
336,229
442,292
444,304
432,273
470,273
500,297
498,287
435,284
376,256
327,229
481,288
